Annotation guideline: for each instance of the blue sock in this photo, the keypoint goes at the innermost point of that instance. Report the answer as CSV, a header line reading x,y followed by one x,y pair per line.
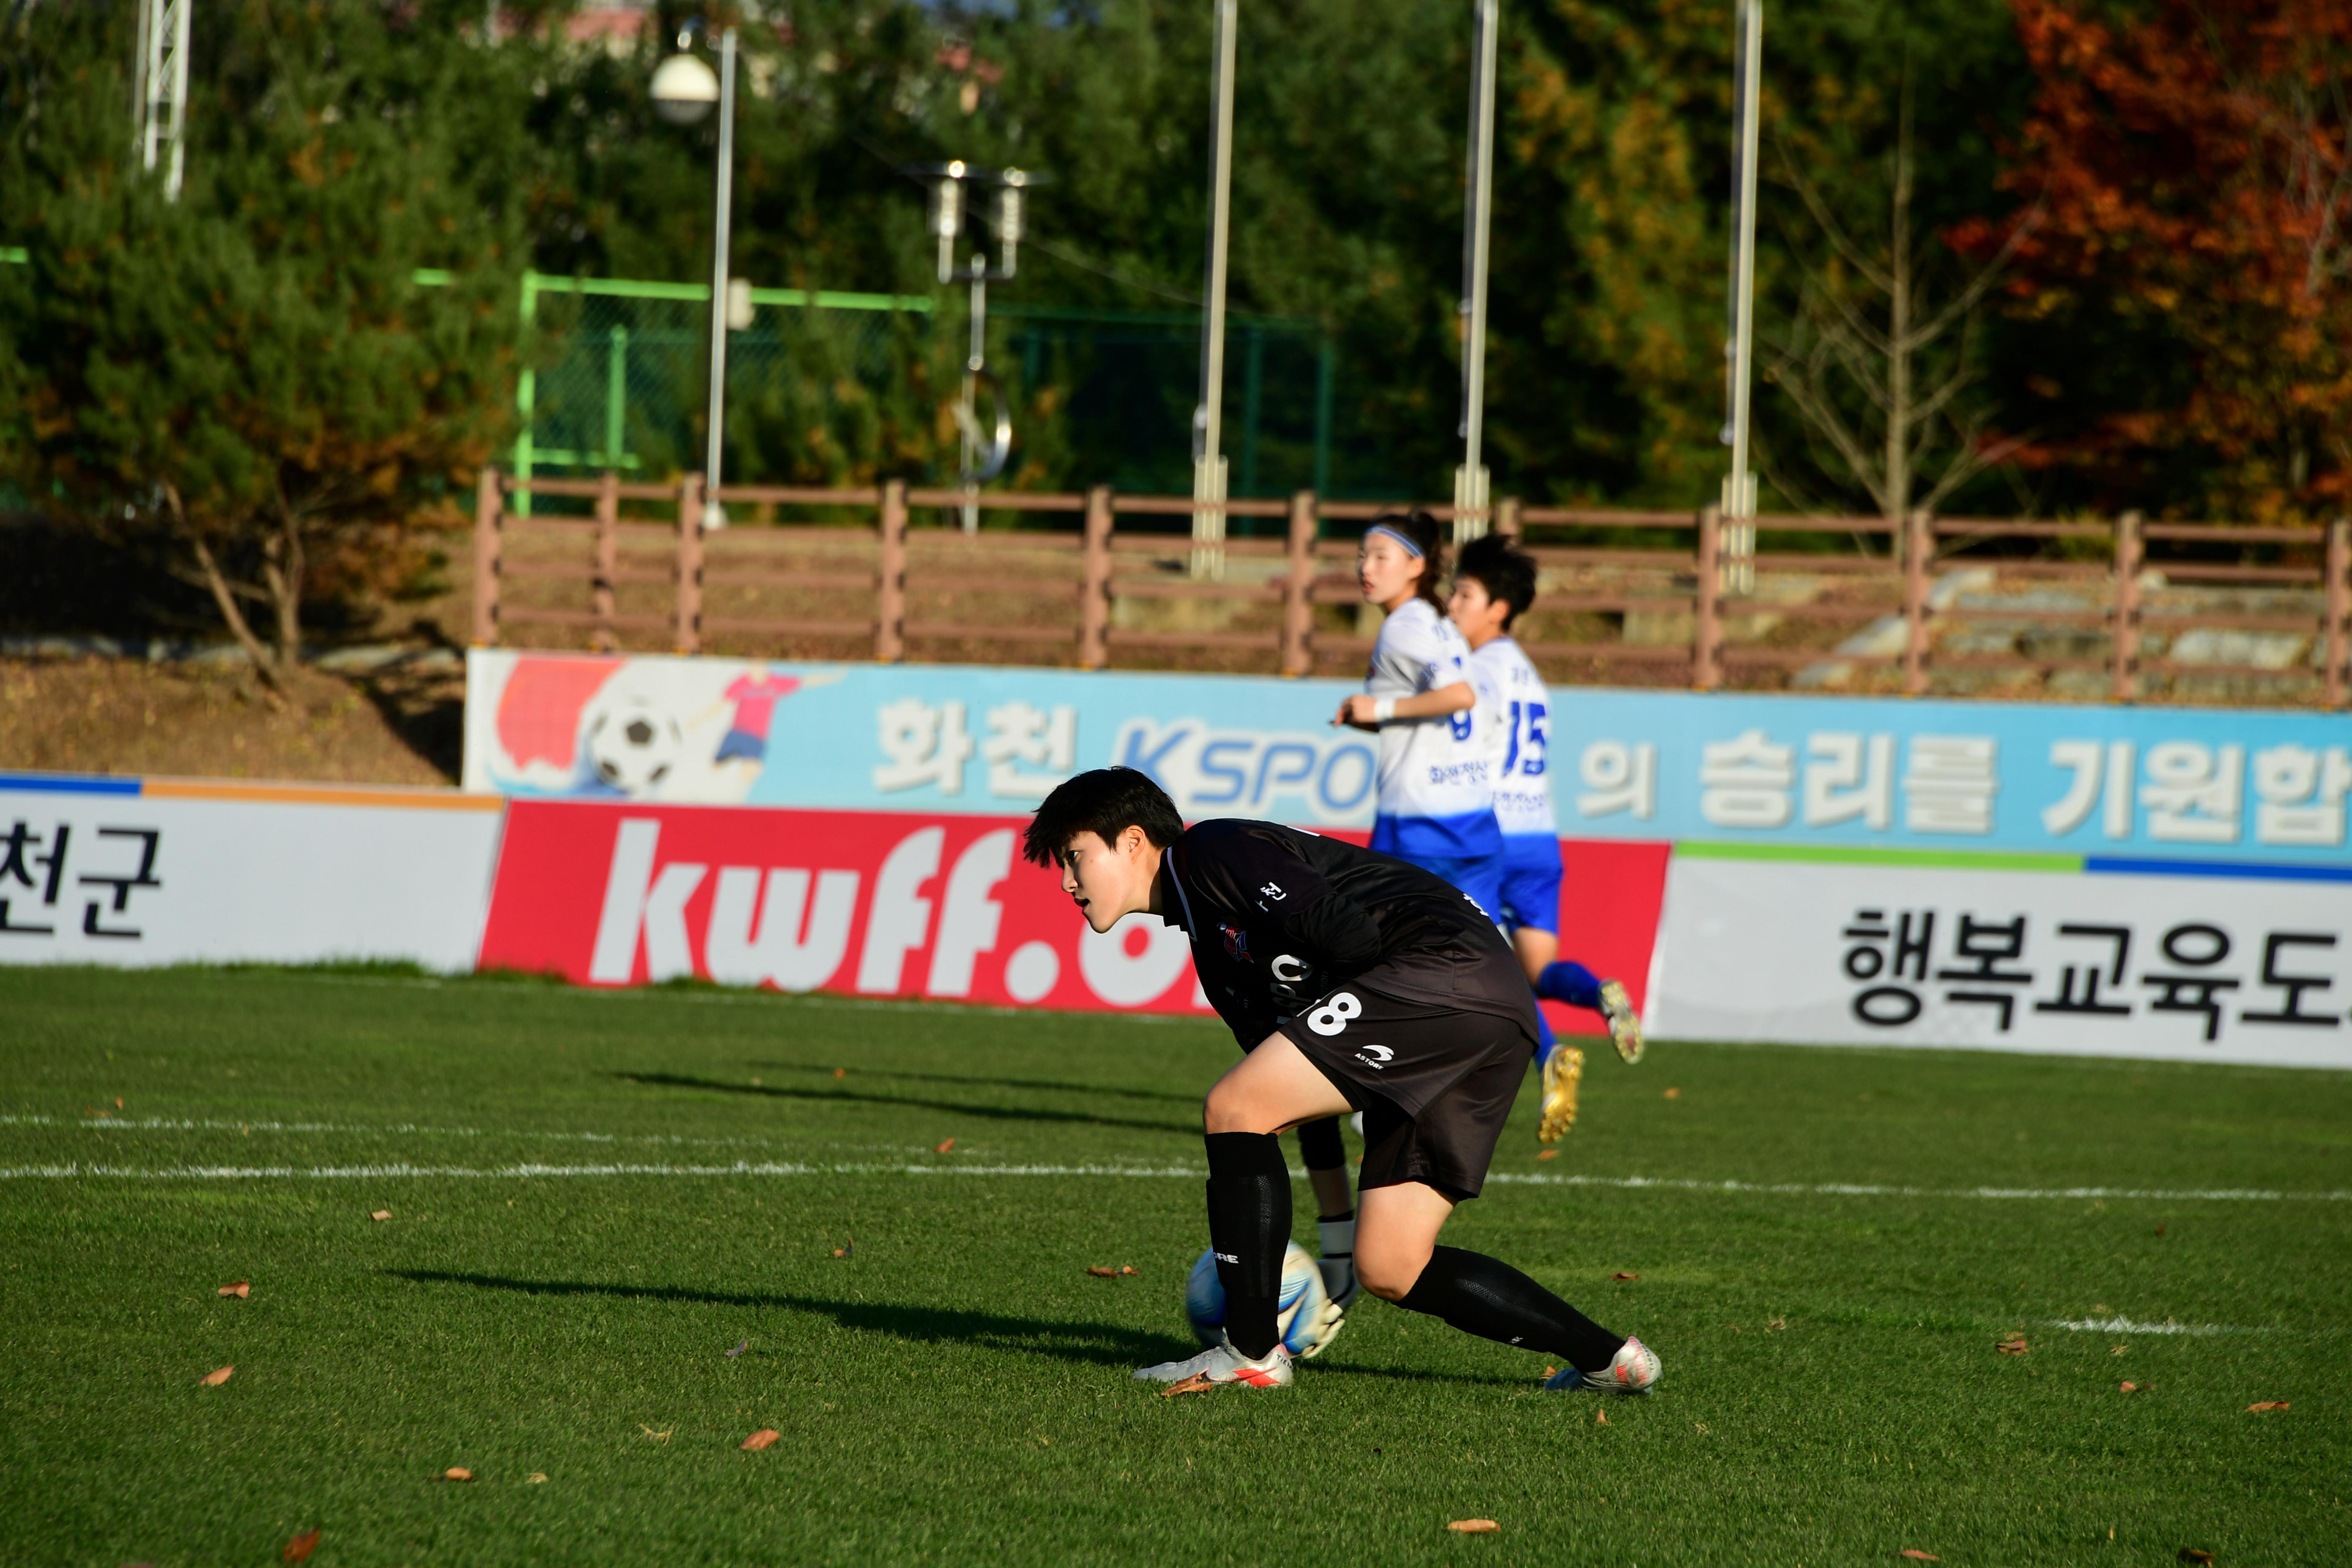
x,y
1569,983
1546,1041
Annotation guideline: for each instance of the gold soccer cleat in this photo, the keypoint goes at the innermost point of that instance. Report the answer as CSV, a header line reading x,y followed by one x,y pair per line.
x,y
1625,1024
1561,1071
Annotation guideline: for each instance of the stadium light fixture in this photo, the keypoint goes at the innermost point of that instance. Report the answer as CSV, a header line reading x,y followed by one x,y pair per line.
x,y
684,88
951,206
1738,568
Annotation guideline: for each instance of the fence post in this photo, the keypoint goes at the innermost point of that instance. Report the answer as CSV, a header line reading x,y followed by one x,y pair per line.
x,y
490,528
2339,607
1299,589
1094,591
1918,551
1707,628
890,585
608,556
2129,551
1507,518
688,635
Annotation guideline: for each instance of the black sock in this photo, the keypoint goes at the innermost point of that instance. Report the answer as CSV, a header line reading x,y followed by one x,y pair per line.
x,y
1249,1227
1496,1302
1320,1145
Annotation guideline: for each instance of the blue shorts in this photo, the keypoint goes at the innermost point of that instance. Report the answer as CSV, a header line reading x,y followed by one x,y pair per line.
x,y
1530,896
1482,879
741,744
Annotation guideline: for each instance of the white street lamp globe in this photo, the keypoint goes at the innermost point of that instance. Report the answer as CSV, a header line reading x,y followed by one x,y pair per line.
x,y
684,88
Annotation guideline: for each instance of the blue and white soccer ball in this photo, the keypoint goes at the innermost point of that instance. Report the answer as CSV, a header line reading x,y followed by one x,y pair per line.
x,y
1305,1315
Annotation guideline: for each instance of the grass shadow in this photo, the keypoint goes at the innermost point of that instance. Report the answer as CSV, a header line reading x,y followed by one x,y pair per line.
x,y
1190,1127
1046,1084
1093,1343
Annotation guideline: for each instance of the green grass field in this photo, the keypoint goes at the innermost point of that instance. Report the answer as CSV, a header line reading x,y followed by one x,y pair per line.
x,y
573,1251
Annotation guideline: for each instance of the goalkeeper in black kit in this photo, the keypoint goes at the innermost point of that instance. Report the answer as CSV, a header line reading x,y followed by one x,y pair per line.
x,y
1353,981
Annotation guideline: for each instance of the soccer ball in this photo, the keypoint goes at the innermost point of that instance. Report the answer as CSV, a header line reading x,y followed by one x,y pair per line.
x,y
1305,1314
633,745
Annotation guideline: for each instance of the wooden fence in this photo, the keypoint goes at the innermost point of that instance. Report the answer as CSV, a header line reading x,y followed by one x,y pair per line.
x,y
2104,609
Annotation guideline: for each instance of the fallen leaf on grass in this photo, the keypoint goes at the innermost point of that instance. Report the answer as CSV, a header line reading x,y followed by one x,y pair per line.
x,y
1916,1555
739,1350
1701,1426
762,1438
1101,1272
1474,1526
2268,1405
118,1103
1550,1373
1773,1325
942,1147
2190,1554
1195,1384
841,1072
381,1214
2119,1349
2131,1388
301,1546
456,1473
241,1290
1621,1275
1131,1270
536,1476
656,1437
1674,1094
2159,1230
2013,1345
1600,1418
215,1379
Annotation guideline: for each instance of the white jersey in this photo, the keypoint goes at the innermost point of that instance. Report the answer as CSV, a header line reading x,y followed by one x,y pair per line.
x,y
1518,713
1437,775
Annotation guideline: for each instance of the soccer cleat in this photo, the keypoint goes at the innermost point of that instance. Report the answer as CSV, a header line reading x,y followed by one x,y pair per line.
x,y
1625,1024
1220,1365
1560,1071
1632,1370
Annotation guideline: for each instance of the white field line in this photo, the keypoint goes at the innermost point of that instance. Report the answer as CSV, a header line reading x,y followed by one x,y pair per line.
x,y
78,1171
403,1130
2127,1326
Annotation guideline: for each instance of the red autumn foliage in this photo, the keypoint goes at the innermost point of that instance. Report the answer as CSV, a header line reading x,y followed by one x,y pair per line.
x,y
2195,182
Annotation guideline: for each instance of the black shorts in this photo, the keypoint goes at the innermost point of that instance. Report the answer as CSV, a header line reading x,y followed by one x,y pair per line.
x,y
1435,1083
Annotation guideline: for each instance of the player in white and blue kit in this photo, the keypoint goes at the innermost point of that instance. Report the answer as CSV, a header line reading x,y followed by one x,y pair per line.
x,y
1494,585
1436,800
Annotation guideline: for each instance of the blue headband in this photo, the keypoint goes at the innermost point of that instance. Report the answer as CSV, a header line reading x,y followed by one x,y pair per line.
x,y
1382,528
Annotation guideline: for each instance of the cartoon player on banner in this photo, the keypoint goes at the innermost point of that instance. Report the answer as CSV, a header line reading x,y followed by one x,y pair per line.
x,y
638,729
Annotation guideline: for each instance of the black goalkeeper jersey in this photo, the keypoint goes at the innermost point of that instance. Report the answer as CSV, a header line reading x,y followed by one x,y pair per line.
x,y
1280,917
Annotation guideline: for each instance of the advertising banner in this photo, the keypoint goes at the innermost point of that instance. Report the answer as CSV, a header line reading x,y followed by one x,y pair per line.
x,y
2266,787
2047,957
132,872
890,904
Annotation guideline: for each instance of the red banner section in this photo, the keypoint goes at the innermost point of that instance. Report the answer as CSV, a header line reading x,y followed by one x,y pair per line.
x,y
892,904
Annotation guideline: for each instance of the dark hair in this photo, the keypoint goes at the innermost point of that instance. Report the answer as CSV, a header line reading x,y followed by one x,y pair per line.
x,y
1105,803
1507,571
1421,528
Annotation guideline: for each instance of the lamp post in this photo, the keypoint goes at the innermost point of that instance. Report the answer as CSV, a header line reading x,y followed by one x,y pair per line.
x,y
684,88
1470,478
1738,572
1208,419
983,453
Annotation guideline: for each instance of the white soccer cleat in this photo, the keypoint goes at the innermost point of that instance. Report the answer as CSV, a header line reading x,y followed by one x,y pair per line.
x,y
1625,1024
1220,1365
1632,1370
1562,1069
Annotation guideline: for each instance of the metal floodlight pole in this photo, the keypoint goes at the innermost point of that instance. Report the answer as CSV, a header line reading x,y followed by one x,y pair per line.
x,y
1208,462
1740,486
714,516
1470,480
160,90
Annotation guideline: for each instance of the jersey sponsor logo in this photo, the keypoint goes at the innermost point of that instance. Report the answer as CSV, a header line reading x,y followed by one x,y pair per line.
x,y
1236,942
1273,891
1332,1017
1289,969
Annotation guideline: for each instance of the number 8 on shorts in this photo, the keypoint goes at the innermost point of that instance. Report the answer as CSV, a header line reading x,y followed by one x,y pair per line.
x,y
1333,1016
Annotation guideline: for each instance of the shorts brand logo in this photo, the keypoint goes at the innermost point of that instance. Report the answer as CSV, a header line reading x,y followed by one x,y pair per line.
x,y
1375,1055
